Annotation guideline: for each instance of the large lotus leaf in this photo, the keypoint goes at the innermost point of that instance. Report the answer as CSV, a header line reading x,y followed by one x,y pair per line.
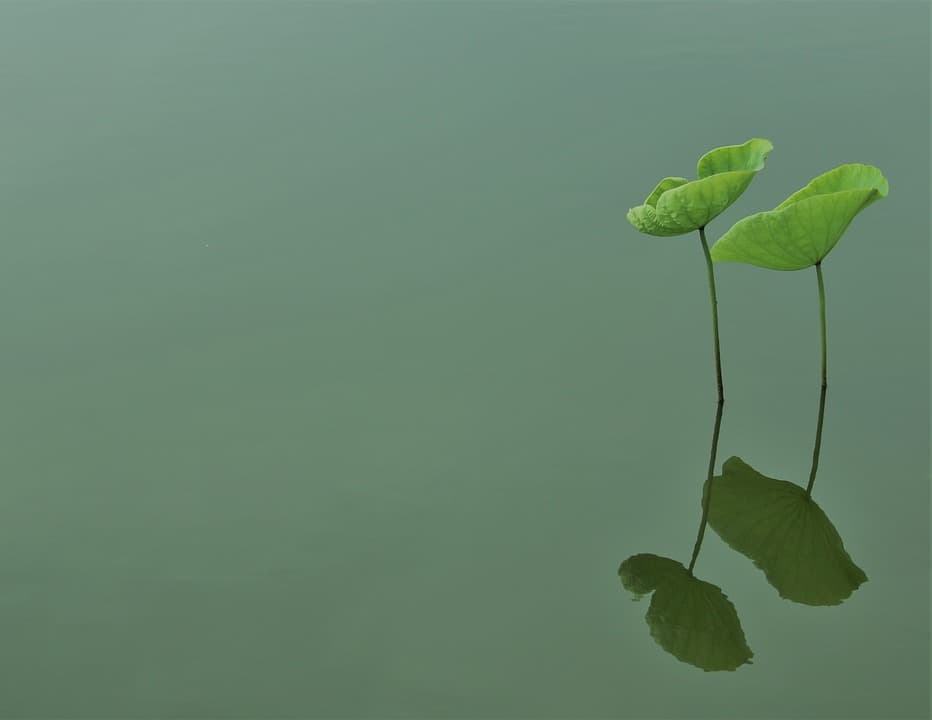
x,y
802,229
676,206
689,618
785,533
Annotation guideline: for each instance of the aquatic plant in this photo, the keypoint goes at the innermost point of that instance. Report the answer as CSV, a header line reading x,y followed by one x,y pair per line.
x,y
677,206
801,231
776,523
690,618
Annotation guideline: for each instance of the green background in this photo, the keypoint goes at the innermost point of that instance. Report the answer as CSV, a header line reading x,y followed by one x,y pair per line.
x,y
335,383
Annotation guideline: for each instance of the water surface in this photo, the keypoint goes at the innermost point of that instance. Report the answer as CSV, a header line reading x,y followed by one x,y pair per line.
x,y
335,383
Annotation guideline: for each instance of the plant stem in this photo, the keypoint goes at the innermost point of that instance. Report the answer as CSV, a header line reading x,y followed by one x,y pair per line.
x,y
818,438
818,268
707,488
718,353
707,492
818,442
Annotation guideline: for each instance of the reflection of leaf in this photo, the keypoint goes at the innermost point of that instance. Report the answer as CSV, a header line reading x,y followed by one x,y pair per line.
x,y
689,618
785,533
641,574
677,206
802,229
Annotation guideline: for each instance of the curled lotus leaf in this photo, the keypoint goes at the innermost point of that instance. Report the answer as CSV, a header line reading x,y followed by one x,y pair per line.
x,y
677,206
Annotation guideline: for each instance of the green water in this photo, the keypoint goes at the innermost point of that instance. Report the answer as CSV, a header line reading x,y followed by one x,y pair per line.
x,y
335,383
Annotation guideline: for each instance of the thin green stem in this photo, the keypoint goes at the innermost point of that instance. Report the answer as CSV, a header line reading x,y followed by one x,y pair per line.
x,y
818,268
707,491
718,353
707,488
818,438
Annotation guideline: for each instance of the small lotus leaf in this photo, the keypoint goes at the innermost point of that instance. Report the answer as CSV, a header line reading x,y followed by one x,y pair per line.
x,y
677,206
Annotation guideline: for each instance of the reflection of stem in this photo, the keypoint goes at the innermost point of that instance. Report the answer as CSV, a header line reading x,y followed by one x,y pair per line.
x,y
818,438
818,442
718,354
707,494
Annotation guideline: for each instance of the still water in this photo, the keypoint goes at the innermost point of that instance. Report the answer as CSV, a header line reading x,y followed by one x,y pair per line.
x,y
335,383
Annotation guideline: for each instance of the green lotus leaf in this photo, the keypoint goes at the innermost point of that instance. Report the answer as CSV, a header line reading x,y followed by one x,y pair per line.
x,y
785,533
803,229
677,206
644,217
689,618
